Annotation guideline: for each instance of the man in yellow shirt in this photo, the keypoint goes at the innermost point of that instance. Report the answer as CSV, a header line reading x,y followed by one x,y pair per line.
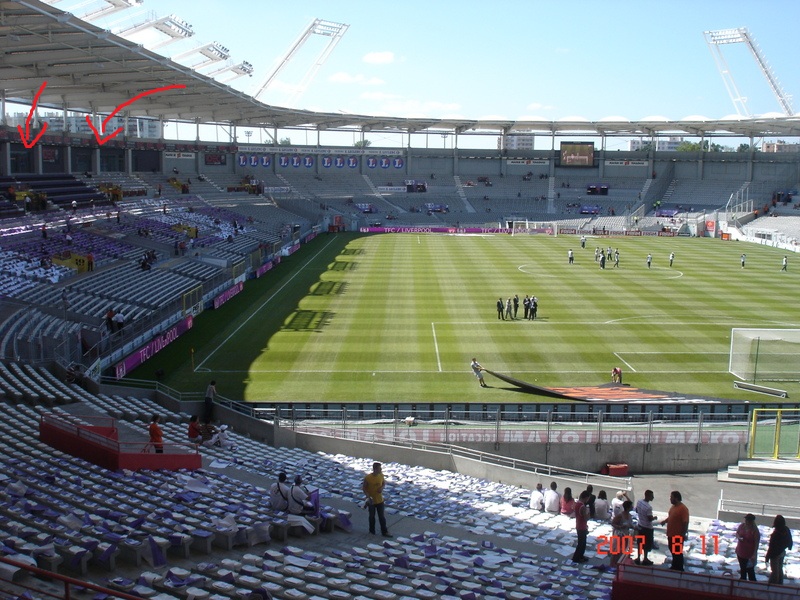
x,y
373,490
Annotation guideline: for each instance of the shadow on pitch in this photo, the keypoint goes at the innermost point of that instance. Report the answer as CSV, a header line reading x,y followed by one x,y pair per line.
x,y
307,320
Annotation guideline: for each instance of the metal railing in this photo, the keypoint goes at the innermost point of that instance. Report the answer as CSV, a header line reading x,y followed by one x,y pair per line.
x,y
588,428
756,508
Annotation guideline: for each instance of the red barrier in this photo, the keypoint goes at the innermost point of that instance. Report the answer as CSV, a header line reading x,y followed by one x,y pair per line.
x,y
657,583
97,442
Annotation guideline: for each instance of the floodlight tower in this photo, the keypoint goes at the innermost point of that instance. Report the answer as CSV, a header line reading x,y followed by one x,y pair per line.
x,y
237,70
112,6
213,52
174,28
329,29
715,39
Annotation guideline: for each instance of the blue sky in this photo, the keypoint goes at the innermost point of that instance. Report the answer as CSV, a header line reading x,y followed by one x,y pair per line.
x,y
511,59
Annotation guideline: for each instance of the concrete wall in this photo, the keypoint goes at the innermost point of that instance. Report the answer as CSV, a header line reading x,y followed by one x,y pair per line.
x,y
658,458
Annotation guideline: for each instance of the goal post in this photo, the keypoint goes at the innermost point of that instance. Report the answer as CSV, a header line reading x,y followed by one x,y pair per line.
x,y
765,354
529,227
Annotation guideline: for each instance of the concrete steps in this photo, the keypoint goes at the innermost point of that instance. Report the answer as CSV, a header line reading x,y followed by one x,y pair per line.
x,y
778,473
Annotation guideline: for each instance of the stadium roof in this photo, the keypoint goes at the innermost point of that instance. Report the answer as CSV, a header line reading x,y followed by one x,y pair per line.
x,y
90,69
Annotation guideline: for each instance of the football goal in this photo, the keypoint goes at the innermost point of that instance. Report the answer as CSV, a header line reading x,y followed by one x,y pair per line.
x,y
765,354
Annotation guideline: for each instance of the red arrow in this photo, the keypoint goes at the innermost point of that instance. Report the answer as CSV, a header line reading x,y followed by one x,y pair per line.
x,y
24,135
98,134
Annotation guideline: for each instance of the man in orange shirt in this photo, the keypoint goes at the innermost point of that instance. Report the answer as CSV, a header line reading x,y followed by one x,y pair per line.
x,y
677,522
156,437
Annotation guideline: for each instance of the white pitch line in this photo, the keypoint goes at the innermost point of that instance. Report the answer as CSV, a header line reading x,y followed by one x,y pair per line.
x,y
625,361
263,304
436,346
461,371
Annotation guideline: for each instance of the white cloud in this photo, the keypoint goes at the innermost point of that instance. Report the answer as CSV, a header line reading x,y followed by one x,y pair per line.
x,y
379,58
539,106
347,78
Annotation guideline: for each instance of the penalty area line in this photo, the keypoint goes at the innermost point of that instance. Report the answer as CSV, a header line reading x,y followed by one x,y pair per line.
x,y
436,347
624,361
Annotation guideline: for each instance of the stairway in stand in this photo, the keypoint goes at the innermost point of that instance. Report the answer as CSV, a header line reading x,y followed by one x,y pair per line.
x,y
780,472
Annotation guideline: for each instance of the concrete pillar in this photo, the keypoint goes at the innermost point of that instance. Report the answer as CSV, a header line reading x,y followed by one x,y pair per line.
x,y
6,170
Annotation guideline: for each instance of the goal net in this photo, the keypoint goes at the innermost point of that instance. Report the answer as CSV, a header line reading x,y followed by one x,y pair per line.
x,y
765,354
532,227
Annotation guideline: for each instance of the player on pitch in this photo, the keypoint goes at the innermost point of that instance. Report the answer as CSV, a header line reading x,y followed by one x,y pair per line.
x,y
478,370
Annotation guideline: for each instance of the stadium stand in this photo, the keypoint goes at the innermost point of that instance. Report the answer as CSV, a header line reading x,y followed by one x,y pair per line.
x,y
208,535
150,531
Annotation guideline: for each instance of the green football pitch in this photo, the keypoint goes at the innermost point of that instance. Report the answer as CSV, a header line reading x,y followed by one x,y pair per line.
x,y
398,317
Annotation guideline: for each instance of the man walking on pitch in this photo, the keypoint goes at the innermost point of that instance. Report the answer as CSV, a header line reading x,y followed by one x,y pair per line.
x,y
373,489
500,309
478,370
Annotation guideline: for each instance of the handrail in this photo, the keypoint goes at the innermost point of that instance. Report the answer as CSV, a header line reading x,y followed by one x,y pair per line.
x,y
756,508
68,582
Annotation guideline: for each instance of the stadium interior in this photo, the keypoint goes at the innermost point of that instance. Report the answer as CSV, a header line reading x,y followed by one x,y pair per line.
x,y
159,229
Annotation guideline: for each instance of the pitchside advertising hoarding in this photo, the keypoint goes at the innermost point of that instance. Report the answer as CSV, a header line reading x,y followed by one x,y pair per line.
x,y
152,347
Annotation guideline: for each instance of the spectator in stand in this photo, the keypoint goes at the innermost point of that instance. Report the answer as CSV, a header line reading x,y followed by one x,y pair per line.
x,y
552,499
537,498
119,320
748,538
677,523
602,510
194,430
590,500
622,524
208,432
645,519
567,504
279,494
110,320
779,542
616,503
208,402
298,498
156,436
581,526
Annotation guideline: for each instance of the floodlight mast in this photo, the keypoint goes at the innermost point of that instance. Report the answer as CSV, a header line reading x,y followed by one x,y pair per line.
x,y
715,39
334,31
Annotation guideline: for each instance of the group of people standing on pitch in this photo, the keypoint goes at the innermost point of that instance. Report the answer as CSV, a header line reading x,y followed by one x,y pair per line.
x,y
509,309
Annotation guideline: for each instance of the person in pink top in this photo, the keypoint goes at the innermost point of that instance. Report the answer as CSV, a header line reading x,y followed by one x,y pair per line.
x,y
581,526
748,538
567,503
